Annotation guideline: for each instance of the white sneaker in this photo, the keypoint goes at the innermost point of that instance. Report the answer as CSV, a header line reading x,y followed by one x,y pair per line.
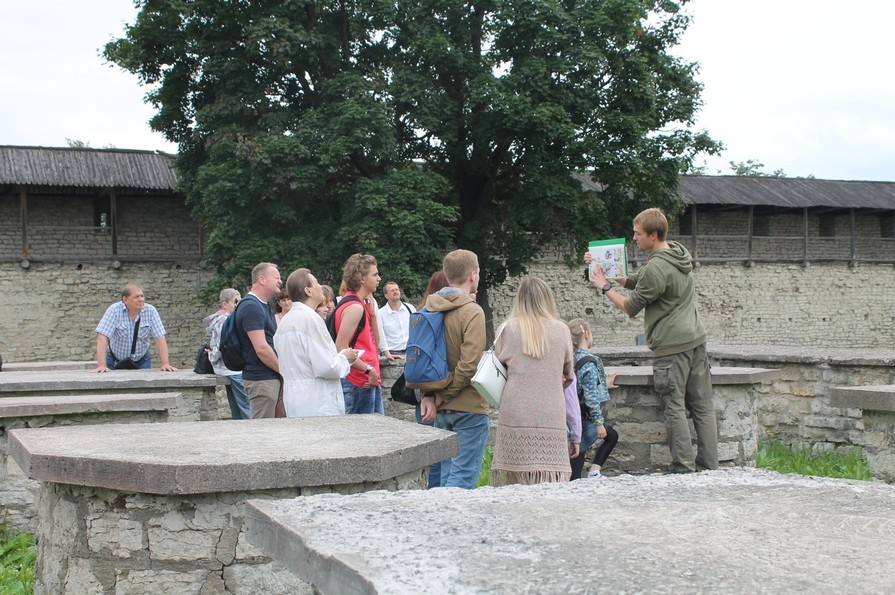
x,y
595,474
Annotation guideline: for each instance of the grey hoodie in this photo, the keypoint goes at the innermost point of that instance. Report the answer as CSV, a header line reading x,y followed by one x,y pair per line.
x,y
664,288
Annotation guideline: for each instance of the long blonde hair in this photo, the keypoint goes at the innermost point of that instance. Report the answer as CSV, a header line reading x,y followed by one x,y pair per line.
x,y
533,306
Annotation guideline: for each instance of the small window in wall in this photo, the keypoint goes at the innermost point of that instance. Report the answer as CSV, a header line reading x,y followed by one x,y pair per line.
x,y
102,213
761,225
887,225
685,222
826,226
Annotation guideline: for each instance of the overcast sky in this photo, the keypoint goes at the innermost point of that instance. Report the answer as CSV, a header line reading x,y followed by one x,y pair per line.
x,y
803,86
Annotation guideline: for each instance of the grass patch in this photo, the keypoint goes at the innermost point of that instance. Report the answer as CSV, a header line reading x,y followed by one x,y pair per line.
x,y
847,464
17,554
485,473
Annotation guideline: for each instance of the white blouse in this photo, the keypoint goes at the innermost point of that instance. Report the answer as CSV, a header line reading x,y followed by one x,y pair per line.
x,y
309,364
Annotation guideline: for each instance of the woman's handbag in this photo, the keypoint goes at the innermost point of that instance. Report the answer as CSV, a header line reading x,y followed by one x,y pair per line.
x,y
490,376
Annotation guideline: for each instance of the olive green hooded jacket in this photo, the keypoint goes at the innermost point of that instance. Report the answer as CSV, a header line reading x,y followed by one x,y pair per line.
x,y
664,289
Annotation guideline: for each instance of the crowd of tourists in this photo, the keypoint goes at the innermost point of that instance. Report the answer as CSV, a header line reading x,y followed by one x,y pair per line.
x,y
306,352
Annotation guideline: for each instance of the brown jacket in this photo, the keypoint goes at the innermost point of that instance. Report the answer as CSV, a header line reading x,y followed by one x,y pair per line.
x,y
464,330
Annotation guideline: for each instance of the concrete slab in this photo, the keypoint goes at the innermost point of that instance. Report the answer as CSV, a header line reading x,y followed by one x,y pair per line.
x,y
643,375
230,456
17,383
47,366
871,398
728,531
40,405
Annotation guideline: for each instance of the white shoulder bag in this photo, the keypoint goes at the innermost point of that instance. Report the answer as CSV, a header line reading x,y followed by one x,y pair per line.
x,y
490,376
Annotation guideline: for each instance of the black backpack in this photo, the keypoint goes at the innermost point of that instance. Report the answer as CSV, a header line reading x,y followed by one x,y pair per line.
x,y
203,364
230,348
331,320
587,359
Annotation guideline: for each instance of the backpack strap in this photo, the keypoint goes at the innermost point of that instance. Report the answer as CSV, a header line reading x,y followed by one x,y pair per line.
x,y
587,359
360,323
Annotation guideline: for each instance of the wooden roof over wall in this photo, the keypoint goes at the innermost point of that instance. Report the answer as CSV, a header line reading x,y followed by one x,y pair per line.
x,y
786,192
87,168
149,170
778,192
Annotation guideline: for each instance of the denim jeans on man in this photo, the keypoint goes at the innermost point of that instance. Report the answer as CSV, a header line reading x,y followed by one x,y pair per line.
x,y
462,471
434,468
362,400
143,363
238,398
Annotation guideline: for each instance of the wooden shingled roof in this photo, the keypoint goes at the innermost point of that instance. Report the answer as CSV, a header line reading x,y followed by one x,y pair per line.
x,y
778,192
87,168
149,170
786,192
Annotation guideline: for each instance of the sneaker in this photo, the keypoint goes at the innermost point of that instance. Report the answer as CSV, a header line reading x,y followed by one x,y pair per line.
x,y
595,474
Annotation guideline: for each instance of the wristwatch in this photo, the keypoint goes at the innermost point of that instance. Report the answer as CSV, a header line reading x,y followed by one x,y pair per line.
x,y
369,369
606,288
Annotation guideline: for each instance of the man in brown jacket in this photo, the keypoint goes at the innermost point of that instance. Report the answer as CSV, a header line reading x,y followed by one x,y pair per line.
x,y
459,407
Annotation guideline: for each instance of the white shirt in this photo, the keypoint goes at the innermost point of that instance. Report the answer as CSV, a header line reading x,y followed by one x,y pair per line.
x,y
394,327
310,365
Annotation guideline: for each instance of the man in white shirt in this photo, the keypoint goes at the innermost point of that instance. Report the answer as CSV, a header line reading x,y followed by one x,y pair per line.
x,y
394,323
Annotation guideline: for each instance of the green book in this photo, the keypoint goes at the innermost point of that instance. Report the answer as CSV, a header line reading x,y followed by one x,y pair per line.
x,y
611,255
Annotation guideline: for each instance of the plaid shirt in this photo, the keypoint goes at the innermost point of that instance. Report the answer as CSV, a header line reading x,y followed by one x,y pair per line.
x,y
117,326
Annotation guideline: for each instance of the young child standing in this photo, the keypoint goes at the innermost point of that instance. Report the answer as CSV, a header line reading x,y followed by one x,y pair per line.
x,y
593,388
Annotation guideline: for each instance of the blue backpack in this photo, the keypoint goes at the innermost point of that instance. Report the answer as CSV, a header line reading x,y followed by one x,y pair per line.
x,y
425,365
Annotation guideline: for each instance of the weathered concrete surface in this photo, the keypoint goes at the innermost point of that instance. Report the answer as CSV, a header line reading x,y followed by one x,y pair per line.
x,y
86,403
230,456
726,531
874,398
48,366
16,383
199,400
643,375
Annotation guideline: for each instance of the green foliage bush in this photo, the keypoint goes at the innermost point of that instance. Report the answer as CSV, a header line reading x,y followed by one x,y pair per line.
x,y
17,554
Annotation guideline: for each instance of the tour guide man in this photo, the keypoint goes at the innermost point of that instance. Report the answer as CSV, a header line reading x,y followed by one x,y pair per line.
x,y
664,288
122,335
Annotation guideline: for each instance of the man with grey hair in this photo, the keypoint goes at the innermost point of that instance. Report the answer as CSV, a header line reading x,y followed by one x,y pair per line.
x,y
122,335
237,397
255,327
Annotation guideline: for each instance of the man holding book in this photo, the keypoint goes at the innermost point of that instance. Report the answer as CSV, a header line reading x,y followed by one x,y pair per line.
x,y
664,289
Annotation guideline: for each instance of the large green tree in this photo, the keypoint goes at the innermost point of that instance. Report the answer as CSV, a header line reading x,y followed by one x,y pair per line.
x,y
311,130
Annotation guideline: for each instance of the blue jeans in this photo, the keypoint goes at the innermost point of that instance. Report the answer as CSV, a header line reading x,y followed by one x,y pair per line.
x,y
362,400
434,468
142,364
462,470
588,434
238,398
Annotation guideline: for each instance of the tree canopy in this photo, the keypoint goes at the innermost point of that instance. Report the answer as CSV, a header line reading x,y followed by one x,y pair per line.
x,y
311,130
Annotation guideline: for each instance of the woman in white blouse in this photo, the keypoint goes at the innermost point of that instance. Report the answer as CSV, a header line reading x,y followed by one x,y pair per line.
x,y
309,363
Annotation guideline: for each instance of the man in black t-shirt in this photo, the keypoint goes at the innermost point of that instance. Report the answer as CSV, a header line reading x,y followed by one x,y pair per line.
x,y
255,327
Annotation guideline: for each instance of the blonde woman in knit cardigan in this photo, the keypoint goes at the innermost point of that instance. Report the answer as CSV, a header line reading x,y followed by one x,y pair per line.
x,y
532,444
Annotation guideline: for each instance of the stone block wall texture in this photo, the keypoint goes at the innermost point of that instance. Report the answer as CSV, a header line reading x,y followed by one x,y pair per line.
x,y
825,305
18,494
103,541
637,414
58,225
50,310
796,408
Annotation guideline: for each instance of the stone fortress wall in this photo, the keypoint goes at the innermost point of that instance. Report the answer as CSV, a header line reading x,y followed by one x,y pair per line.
x,y
50,310
823,304
50,305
